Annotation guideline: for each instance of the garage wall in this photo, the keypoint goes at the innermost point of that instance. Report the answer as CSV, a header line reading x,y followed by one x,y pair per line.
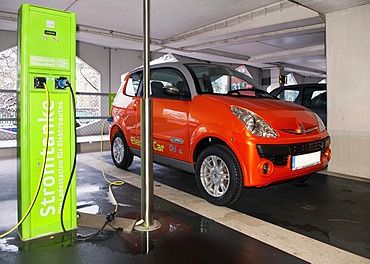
x,y
8,39
123,61
111,63
348,79
306,79
98,58
256,73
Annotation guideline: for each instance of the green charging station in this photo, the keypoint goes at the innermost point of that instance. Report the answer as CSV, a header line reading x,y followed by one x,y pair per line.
x,y
46,55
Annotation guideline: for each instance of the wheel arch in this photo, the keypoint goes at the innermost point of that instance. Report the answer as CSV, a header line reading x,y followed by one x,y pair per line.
x,y
206,142
210,140
113,130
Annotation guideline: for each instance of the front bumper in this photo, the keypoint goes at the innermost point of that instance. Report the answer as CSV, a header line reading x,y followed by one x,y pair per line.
x,y
265,164
279,154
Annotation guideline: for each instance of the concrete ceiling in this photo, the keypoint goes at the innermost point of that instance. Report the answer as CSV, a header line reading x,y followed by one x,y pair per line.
x,y
261,33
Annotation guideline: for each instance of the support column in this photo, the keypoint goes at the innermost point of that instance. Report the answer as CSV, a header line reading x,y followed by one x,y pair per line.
x,y
348,79
276,74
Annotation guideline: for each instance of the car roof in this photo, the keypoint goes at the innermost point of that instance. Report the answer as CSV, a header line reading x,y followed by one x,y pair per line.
x,y
159,65
177,65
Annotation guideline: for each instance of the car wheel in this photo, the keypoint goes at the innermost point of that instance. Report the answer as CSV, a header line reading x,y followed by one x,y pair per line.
x,y
218,175
121,154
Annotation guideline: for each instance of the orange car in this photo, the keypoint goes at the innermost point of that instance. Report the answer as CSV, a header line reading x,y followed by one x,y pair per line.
x,y
219,124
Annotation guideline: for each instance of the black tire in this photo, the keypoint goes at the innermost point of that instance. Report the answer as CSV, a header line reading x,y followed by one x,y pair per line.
x,y
210,162
303,179
121,153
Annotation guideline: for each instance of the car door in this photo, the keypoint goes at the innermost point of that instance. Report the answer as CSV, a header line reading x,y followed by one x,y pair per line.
x,y
170,114
127,104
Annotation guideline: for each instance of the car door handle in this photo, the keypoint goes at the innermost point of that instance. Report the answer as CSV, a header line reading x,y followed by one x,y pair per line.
x,y
135,106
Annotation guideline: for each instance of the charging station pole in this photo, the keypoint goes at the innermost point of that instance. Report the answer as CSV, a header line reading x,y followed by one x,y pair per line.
x,y
46,55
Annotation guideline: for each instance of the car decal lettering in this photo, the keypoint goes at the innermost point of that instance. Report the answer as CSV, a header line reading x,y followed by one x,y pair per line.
x,y
172,148
156,146
135,141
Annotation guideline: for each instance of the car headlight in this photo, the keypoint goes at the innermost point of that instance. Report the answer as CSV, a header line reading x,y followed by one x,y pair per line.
x,y
321,124
255,124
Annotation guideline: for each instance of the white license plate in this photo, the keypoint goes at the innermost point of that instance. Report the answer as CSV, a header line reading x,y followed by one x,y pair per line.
x,y
305,160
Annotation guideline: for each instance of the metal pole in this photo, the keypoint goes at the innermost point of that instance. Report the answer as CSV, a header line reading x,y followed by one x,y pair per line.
x,y
146,136
146,130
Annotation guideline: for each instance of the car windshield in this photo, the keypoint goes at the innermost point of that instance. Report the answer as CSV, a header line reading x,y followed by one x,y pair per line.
x,y
217,79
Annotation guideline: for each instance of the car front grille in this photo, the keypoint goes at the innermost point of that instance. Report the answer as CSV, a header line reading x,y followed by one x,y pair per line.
x,y
278,160
278,154
303,148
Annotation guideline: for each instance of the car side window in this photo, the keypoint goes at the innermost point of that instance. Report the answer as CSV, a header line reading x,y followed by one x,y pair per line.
x,y
168,78
319,99
313,97
290,95
133,84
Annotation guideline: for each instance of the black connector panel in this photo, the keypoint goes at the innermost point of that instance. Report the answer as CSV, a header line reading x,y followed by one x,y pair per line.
x,y
39,82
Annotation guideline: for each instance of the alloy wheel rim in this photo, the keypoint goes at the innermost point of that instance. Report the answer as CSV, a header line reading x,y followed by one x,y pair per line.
x,y
118,150
214,176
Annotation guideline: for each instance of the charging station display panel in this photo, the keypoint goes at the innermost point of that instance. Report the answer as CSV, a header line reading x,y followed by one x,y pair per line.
x,y
47,54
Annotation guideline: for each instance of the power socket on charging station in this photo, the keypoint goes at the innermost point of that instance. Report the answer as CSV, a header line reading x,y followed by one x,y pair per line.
x,y
39,82
61,83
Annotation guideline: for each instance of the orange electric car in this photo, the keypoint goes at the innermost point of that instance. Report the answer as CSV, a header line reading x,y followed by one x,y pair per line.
x,y
221,125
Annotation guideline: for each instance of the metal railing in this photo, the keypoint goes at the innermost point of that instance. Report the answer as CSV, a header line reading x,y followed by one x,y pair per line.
x,y
91,111
8,118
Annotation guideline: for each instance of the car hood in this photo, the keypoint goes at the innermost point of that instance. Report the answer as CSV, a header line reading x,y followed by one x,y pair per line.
x,y
279,114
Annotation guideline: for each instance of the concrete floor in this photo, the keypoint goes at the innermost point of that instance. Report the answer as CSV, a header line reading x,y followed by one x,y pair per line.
x,y
325,220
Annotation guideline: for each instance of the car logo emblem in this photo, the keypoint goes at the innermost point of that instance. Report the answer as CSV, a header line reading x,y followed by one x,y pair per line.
x,y
301,130
177,140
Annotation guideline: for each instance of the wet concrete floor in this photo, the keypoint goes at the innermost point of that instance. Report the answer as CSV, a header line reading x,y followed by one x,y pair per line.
x,y
184,236
332,210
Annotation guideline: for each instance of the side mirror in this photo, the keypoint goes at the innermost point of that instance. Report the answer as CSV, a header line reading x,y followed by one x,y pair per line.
x,y
172,91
